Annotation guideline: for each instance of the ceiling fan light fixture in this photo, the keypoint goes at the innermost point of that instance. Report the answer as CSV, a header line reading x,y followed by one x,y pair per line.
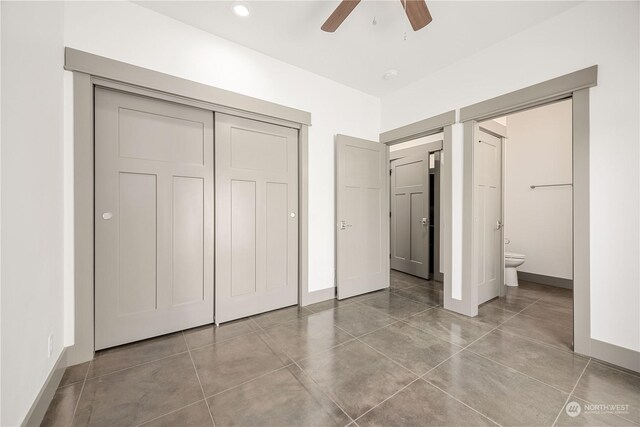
x,y
390,74
241,9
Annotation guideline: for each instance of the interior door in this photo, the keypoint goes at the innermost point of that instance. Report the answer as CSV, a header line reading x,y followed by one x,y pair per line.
x,y
410,219
487,167
154,217
256,217
362,210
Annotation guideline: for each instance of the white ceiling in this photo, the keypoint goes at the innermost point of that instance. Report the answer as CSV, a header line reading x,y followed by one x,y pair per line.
x,y
359,53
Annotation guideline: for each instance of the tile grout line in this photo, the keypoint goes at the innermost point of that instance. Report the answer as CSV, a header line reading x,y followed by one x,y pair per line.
x,y
169,413
546,344
457,352
465,348
344,302
571,393
243,334
310,377
428,333
613,415
374,407
526,337
516,370
496,327
590,402
199,382
429,307
405,321
325,393
293,361
84,382
138,365
354,338
274,370
468,345
461,402
379,352
248,381
528,316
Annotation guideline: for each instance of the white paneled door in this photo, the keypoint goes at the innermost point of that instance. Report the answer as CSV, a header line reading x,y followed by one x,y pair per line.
x,y
410,215
362,214
153,217
488,241
256,217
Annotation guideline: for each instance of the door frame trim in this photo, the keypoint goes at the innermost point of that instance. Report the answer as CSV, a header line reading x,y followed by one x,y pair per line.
x,y
90,71
111,69
531,96
573,86
426,127
441,123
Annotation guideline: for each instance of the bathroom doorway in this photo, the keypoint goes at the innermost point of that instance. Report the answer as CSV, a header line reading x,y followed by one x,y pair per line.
x,y
525,220
415,226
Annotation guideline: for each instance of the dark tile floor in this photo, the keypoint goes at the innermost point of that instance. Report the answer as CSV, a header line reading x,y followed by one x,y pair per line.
x,y
389,358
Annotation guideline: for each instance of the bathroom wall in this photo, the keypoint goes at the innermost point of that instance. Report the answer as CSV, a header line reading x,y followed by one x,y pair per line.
x,y
539,222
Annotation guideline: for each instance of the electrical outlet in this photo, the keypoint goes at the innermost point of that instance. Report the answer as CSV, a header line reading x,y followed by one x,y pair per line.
x,y
50,345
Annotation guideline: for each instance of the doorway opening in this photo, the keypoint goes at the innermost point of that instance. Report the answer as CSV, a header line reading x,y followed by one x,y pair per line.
x,y
415,215
523,214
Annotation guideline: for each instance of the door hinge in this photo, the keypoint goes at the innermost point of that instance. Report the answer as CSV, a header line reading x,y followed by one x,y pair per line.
x,y
390,171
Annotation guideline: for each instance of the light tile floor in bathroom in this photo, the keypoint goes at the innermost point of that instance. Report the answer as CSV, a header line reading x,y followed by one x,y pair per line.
x,y
389,358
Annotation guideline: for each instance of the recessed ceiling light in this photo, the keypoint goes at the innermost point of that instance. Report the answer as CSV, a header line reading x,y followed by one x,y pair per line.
x,y
241,10
390,74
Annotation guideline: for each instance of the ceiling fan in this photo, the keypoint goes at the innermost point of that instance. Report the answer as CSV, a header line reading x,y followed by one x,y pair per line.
x,y
416,11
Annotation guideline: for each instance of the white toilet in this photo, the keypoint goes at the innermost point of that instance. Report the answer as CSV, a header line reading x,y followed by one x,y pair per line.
x,y
511,261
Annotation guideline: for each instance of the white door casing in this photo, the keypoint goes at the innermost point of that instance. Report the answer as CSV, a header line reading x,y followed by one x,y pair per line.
x,y
153,217
487,247
362,216
410,215
256,217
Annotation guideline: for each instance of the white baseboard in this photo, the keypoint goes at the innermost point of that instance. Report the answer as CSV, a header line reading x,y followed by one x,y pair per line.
x,y
308,298
43,400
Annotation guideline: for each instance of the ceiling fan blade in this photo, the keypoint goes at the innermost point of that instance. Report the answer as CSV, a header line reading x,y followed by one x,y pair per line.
x,y
339,15
417,12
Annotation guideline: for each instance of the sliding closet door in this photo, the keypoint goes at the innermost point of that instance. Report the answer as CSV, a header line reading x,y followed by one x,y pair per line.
x,y
256,217
154,217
